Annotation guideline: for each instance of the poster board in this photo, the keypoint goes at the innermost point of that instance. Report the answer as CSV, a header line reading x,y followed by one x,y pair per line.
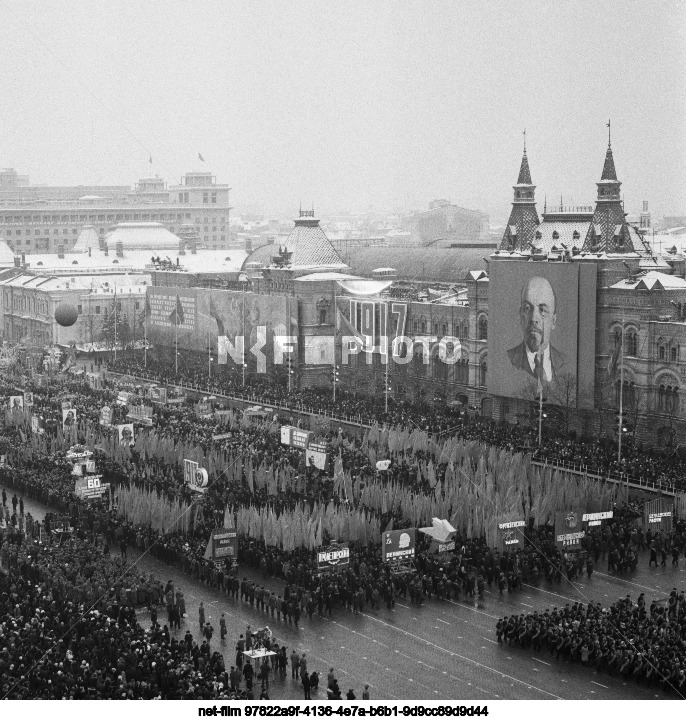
x,y
69,419
315,455
569,530
544,309
335,555
398,546
658,515
157,395
90,488
222,544
592,520
126,434
511,535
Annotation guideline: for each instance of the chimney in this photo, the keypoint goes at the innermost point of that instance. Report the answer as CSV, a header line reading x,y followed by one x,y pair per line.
x,y
17,262
248,246
23,258
106,249
60,251
120,249
193,244
182,247
89,251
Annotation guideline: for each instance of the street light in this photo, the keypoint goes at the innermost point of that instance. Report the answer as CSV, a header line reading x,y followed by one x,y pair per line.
x,y
335,378
290,371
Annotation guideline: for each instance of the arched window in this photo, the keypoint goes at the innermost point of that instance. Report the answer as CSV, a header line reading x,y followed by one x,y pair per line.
x,y
440,369
483,328
661,352
322,316
483,369
462,371
631,342
418,361
672,399
616,337
674,353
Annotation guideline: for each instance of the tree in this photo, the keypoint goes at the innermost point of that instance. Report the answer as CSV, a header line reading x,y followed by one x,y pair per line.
x,y
122,335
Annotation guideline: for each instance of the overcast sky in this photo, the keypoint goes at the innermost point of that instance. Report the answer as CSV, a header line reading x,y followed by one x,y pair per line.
x,y
350,104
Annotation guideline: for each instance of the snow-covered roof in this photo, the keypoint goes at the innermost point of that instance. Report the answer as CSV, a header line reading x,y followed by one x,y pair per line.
x,y
652,280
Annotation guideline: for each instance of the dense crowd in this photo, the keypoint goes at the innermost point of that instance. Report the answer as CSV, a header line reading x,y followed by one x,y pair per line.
x,y
366,582
662,467
68,630
646,644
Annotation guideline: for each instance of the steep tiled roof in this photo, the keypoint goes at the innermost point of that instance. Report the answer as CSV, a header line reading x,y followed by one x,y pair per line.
x,y
524,172
310,246
557,232
609,172
608,230
521,227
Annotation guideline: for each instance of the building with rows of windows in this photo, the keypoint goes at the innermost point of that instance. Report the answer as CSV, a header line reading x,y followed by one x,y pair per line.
x,y
640,302
38,219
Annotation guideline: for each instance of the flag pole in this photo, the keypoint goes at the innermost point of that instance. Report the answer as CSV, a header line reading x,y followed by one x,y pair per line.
x,y
145,332
176,340
388,358
621,394
540,411
115,322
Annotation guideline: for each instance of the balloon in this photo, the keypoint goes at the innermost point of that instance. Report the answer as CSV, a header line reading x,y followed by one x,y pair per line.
x,y
66,314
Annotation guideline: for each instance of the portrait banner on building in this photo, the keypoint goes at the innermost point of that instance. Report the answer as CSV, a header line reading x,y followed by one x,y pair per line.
x,y
234,326
541,331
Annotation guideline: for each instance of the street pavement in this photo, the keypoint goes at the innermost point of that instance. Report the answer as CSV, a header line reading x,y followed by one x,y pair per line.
x,y
439,650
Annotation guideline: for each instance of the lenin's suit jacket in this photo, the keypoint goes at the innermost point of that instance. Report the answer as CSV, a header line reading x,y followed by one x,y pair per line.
x,y
519,360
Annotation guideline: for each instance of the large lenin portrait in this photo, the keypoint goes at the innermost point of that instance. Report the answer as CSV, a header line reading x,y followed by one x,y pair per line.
x,y
536,355
541,329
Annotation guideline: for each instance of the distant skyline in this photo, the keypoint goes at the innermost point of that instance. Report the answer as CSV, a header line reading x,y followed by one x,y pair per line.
x,y
387,104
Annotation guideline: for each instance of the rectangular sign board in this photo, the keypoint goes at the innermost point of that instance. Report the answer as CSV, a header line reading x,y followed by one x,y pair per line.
x,y
398,545
334,556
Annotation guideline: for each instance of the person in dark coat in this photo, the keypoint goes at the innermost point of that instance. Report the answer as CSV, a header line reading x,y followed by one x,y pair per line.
x,y
306,686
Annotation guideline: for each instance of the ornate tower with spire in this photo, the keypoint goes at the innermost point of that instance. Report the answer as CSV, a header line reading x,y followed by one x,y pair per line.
x,y
608,232
521,226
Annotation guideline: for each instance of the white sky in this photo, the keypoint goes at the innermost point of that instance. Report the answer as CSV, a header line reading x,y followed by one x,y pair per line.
x,y
350,104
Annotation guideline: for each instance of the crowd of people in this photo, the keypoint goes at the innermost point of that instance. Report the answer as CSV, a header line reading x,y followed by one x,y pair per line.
x,y
663,467
366,583
630,639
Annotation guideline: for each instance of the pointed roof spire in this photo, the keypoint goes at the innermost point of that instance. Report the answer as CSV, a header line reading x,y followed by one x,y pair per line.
x,y
609,172
524,172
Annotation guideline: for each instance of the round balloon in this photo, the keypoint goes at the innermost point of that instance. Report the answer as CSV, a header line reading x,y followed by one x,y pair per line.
x,y
66,314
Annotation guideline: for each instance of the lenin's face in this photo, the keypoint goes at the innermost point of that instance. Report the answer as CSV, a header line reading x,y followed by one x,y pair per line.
x,y
537,314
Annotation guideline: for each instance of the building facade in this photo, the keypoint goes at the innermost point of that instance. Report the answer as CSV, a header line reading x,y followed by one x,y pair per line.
x,y
634,338
36,219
